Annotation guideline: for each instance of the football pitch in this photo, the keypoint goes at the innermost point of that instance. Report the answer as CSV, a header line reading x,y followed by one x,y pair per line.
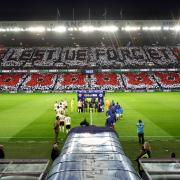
x,y
30,117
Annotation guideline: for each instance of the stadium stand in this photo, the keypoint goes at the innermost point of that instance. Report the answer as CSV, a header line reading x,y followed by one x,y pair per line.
x,y
161,57
139,81
104,81
176,51
168,80
57,63
71,81
42,82
11,82
89,57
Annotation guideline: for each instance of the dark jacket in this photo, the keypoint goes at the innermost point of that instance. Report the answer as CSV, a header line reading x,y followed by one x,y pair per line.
x,y
2,155
54,153
84,123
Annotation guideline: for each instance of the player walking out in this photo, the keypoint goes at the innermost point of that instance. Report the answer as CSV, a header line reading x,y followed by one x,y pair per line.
x,y
68,123
58,111
56,129
61,124
66,105
55,105
79,106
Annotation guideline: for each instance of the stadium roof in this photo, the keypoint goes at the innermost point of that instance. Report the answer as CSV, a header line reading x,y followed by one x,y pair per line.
x,y
115,9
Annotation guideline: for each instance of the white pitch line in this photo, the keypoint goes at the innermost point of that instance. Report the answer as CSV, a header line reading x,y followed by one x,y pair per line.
x,y
26,137
151,136
53,137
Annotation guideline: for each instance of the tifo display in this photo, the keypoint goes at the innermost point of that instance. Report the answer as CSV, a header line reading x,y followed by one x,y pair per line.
x,y
144,81
90,57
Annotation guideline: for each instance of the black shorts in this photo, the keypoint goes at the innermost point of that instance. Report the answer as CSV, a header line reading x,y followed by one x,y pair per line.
x,y
68,126
61,123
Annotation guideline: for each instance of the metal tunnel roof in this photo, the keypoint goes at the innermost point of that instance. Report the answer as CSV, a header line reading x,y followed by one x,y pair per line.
x,y
91,153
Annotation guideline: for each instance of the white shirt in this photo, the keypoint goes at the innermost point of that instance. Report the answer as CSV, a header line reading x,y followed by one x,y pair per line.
x,y
65,103
55,105
67,120
79,104
60,105
58,111
62,118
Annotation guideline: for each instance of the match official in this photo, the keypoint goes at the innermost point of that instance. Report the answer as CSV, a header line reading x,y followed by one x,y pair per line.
x,y
140,131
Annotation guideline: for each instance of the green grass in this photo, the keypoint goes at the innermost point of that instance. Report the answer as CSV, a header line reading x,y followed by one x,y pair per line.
x,y
26,120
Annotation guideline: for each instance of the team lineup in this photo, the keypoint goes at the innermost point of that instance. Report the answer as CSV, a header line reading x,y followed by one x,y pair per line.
x,y
62,118
62,123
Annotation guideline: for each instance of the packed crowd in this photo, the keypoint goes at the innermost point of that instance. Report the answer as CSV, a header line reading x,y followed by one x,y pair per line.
x,y
11,82
168,80
107,81
39,82
139,81
71,82
89,57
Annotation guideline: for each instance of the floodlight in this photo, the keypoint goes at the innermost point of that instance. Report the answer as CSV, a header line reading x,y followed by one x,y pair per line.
x,y
16,29
87,28
108,28
49,29
131,28
59,29
166,28
2,30
70,29
175,28
36,29
152,28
